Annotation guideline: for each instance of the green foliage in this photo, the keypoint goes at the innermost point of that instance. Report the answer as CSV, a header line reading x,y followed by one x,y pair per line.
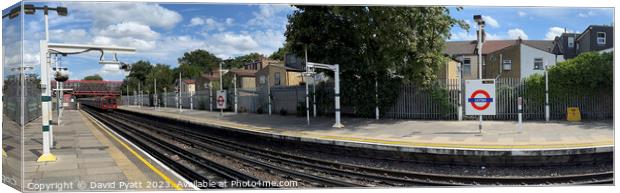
x,y
281,52
441,96
371,43
239,61
587,74
198,59
93,77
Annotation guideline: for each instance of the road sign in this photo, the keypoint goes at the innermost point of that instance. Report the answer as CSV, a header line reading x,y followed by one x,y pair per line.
x,y
480,97
220,99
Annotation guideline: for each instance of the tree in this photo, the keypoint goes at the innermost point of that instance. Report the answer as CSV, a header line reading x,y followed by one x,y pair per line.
x,y
165,78
281,52
199,59
239,61
137,76
373,43
93,77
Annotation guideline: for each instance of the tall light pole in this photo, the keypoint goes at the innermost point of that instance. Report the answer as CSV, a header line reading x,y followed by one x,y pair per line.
x,y
480,22
46,105
336,68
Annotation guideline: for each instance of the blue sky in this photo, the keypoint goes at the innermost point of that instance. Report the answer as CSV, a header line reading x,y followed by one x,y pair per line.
x,y
163,32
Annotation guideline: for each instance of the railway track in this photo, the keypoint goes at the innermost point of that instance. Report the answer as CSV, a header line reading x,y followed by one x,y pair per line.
x,y
197,169
329,173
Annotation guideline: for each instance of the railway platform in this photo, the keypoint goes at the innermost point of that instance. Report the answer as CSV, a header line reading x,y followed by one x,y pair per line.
x,y
91,158
498,138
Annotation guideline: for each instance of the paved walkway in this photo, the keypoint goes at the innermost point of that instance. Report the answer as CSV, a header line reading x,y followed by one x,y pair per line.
x,y
413,133
88,158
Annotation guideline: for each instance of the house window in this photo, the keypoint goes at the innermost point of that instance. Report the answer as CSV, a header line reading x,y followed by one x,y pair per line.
x,y
571,42
277,78
538,63
261,79
466,66
507,65
600,38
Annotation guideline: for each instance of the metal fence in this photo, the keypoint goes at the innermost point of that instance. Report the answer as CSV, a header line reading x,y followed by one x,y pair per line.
x,y
247,100
439,103
418,103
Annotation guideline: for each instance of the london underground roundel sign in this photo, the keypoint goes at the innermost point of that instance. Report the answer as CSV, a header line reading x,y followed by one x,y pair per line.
x,y
480,97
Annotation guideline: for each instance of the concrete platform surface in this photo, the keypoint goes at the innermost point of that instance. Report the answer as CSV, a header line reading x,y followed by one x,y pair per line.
x,y
89,158
414,135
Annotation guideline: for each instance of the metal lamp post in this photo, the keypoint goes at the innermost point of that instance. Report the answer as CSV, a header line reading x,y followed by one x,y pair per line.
x,y
46,49
480,22
336,68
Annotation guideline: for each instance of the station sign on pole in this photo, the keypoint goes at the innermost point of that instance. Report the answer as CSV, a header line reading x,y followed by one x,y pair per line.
x,y
480,97
220,99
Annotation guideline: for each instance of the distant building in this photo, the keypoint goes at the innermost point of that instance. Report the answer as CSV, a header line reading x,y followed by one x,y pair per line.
x,y
187,85
501,58
594,38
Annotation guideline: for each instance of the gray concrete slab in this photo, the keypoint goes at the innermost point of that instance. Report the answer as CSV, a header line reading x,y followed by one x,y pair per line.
x,y
82,158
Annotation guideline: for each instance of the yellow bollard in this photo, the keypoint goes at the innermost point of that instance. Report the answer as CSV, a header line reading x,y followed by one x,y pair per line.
x,y
573,114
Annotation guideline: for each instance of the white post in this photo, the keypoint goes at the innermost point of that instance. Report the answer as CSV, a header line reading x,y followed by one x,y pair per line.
x,y
47,156
180,94
314,94
139,95
376,98
210,96
307,82
268,94
547,110
62,101
460,84
191,100
520,109
221,87
235,91
337,96
480,66
155,93
307,101
164,96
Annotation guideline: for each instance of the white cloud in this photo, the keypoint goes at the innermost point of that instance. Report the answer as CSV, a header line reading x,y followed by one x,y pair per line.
x,y
553,32
267,16
211,24
129,29
195,21
108,13
517,33
521,13
490,21
462,35
587,14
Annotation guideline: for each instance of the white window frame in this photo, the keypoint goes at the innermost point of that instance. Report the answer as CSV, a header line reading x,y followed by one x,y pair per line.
x,y
601,40
571,42
507,65
466,64
542,63
277,78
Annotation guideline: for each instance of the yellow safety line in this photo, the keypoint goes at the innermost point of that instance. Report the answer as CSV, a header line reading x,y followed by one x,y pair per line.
x,y
220,123
149,165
